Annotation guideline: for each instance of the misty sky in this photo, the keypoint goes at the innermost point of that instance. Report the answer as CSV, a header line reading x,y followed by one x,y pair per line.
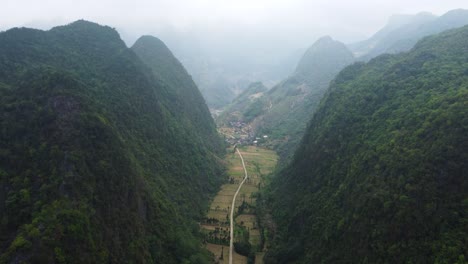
x,y
234,40
347,20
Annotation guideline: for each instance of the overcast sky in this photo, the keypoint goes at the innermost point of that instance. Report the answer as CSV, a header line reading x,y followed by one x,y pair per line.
x,y
226,40
347,19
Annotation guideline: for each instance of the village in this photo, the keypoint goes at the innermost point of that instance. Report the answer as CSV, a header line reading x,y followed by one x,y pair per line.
x,y
241,133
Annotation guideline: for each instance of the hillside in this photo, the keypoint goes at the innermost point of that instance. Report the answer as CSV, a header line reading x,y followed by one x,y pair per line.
x,y
223,65
184,99
402,33
283,111
244,107
97,163
380,175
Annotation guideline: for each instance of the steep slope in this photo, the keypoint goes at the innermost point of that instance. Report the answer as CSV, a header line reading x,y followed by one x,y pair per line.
x,y
186,101
287,107
404,36
380,175
96,164
246,106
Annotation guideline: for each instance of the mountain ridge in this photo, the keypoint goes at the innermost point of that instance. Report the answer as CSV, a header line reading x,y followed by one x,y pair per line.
x,y
394,39
284,110
96,163
378,176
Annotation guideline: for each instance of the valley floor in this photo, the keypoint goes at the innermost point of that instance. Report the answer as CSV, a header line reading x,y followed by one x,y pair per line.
x,y
259,163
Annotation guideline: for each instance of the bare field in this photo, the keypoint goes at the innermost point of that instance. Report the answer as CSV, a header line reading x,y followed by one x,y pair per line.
x,y
259,257
247,220
216,250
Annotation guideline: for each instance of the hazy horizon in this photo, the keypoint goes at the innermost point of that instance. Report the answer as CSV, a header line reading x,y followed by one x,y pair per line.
x,y
227,44
297,21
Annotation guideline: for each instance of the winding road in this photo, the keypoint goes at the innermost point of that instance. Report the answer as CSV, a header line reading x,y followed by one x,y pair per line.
x,y
231,242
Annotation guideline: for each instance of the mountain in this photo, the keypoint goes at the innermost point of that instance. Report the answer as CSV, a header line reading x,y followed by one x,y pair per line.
x,y
104,157
284,110
402,32
398,27
223,64
380,175
186,101
243,108
218,92
321,60
221,81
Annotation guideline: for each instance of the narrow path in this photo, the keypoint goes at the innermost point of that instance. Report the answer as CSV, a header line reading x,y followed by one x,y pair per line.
x,y
231,243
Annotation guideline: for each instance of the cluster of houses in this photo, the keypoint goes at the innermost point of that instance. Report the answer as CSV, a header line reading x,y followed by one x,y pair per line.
x,y
244,135
257,139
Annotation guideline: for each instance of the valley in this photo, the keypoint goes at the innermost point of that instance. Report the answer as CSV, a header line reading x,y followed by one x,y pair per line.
x,y
259,163
112,153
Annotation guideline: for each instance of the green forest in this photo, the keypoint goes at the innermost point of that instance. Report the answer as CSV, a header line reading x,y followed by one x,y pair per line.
x,y
110,152
97,163
380,175
283,112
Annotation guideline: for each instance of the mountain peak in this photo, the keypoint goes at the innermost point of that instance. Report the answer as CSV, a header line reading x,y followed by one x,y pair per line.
x,y
402,19
325,39
84,25
457,11
147,40
92,99
90,33
324,54
159,57
455,15
82,22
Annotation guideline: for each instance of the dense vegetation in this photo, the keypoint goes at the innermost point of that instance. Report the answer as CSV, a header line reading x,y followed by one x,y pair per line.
x,y
185,100
380,176
245,107
103,157
283,112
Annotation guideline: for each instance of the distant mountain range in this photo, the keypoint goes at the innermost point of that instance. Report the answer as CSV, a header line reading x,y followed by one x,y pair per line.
x,y
402,32
109,154
284,111
246,106
223,71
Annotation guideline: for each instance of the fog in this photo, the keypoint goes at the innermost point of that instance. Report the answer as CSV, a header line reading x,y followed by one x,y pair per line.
x,y
297,20
235,40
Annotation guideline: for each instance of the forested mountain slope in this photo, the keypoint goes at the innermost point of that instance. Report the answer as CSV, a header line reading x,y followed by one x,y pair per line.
x,y
185,99
245,106
380,175
402,34
284,111
96,163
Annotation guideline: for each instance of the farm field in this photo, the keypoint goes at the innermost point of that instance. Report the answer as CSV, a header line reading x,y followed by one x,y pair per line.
x,y
259,162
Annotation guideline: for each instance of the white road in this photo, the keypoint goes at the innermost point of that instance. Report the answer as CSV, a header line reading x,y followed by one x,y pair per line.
x,y
231,243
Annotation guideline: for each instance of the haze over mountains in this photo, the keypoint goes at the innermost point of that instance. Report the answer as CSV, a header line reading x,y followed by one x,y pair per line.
x,y
402,32
109,153
221,78
284,111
